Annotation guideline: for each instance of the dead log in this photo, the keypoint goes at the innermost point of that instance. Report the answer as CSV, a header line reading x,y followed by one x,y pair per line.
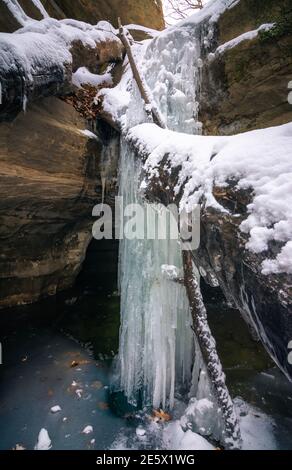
x,y
150,107
232,437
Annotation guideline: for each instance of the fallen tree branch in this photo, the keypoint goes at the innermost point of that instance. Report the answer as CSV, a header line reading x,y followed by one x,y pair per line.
x,y
149,105
232,437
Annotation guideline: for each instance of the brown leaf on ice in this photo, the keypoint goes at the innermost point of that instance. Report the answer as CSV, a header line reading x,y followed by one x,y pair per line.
x,y
97,385
102,405
161,415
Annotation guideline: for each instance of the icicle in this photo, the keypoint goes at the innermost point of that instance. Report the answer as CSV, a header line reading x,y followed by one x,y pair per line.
x,y
17,11
156,340
38,4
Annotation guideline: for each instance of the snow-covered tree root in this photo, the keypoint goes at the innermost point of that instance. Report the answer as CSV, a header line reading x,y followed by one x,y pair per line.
x,y
232,437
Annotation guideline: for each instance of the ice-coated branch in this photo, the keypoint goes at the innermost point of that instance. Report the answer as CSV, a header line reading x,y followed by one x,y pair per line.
x,y
232,437
150,107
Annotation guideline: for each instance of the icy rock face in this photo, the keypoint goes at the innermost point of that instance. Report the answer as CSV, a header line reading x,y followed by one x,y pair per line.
x,y
172,70
156,340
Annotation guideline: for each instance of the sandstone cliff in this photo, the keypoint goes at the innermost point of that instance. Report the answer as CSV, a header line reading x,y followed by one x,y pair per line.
x,y
245,85
143,12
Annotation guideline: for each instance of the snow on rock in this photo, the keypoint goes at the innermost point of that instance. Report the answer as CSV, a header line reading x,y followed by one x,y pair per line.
x,y
140,432
87,430
44,441
41,46
137,27
170,271
176,439
82,76
56,409
202,417
115,101
257,428
90,135
248,36
258,161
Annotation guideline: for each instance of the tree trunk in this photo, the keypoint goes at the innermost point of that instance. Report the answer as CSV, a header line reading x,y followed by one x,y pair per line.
x,y
208,348
150,107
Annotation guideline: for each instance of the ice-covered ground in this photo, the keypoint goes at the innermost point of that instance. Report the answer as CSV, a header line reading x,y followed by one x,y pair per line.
x,y
257,430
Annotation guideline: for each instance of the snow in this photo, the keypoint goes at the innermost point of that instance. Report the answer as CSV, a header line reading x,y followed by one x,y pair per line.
x,y
44,441
44,45
82,76
17,11
141,432
176,439
87,430
259,161
56,409
41,8
137,27
248,36
257,428
89,134
116,100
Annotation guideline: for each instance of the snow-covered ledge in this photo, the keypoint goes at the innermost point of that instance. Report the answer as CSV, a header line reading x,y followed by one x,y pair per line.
x,y
246,231
39,59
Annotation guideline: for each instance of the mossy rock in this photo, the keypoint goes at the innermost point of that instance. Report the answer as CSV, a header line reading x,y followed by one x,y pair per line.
x,y
248,15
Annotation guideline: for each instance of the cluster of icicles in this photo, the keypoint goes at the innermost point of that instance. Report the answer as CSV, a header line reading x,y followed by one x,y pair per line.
x,y
157,344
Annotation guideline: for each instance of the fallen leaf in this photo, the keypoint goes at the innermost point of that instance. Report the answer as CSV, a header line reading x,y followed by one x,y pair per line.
x,y
74,364
102,405
161,415
97,385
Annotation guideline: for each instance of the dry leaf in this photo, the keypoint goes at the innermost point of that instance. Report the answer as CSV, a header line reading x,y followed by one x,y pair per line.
x,y
102,405
161,415
97,385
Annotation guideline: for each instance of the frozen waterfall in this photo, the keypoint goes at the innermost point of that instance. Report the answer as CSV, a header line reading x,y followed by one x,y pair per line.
x,y
156,351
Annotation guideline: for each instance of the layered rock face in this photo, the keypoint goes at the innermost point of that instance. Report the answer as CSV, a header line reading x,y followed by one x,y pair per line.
x,y
52,175
245,86
264,301
143,12
50,181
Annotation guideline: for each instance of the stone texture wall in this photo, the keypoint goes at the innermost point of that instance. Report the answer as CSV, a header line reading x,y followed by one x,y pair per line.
x,y
246,87
144,12
49,183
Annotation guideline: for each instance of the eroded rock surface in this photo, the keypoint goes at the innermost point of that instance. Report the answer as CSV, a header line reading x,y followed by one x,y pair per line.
x,y
246,87
49,182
